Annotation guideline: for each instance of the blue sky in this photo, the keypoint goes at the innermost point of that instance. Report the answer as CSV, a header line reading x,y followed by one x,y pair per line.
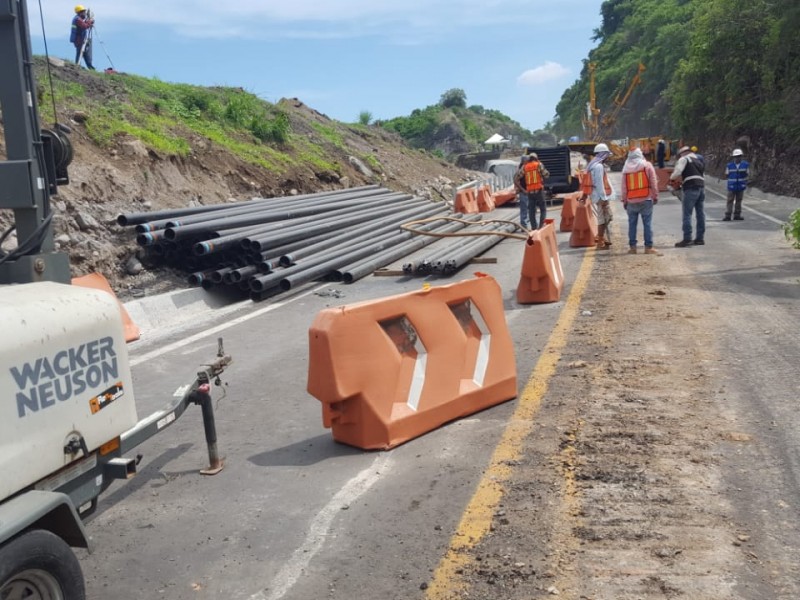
x,y
342,57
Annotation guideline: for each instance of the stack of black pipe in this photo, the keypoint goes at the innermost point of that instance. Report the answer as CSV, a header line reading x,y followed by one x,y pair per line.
x,y
268,245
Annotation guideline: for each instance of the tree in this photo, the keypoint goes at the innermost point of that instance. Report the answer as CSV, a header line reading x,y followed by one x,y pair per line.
x,y
454,97
365,117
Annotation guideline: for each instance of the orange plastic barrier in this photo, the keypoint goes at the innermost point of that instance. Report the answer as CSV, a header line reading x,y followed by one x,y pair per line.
x,y
584,229
96,281
568,210
485,199
391,369
504,196
663,178
542,278
466,202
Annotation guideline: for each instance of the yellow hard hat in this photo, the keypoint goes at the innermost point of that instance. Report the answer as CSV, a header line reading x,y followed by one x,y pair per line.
x,y
79,9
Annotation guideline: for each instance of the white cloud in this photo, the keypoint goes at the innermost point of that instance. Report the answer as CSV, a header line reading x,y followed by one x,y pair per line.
x,y
549,71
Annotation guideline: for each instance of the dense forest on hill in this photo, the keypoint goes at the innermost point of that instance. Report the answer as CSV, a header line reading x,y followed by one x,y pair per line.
x,y
717,71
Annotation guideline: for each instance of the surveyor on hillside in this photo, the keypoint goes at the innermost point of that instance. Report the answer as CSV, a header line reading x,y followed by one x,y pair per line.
x,y
689,173
639,193
596,187
80,36
737,172
533,176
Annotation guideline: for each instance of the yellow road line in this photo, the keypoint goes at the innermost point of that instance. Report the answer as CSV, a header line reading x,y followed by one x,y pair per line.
x,y
477,517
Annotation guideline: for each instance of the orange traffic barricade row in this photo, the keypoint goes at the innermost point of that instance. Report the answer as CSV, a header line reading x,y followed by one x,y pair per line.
x,y
584,228
485,199
541,278
504,196
96,281
466,202
568,210
391,369
663,178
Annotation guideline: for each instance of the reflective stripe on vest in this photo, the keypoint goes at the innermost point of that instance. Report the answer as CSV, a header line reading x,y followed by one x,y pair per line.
x,y
737,176
638,184
533,178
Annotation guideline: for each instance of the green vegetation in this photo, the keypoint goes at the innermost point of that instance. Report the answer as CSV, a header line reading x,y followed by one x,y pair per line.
x,y
438,125
455,97
365,117
792,229
329,133
716,70
162,114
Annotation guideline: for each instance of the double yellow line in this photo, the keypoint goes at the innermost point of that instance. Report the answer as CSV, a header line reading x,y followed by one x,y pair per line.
x,y
477,518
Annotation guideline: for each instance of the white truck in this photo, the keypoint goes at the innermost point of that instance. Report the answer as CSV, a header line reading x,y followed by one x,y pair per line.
x,y
67,408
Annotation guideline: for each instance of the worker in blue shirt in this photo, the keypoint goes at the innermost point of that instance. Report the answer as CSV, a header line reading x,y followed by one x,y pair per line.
x,y
737,173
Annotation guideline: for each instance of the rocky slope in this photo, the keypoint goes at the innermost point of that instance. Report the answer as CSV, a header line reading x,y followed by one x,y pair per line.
x,y
127,175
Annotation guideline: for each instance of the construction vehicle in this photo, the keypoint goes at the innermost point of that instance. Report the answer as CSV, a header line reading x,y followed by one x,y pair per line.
x,y
67,408
599,128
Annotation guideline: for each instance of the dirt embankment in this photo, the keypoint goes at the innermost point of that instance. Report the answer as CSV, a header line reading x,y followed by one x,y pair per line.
x,y
127,176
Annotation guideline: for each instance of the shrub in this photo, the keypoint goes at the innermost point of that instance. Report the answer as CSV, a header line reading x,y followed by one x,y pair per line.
x,y
365,117
792,229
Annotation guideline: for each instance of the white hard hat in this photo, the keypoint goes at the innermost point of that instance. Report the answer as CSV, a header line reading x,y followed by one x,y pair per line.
x,y
737,152
601,148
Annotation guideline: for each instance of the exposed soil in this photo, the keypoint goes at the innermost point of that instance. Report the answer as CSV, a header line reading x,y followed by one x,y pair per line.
x,y
128,177
629,503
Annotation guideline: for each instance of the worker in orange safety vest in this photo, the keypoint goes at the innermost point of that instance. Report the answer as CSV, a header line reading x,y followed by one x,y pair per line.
x,y
532,176
639,194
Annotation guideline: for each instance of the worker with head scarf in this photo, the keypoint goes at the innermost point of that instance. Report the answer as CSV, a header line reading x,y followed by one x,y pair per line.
x,y
639,193
596,187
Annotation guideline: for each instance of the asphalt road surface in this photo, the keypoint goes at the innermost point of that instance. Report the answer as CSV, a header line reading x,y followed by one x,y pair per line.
x,y
295,515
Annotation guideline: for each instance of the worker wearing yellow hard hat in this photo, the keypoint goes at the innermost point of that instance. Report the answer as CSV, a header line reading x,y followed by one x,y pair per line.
x,y
81,36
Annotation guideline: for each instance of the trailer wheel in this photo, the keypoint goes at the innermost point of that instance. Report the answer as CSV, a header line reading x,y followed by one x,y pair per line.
x,y
39,565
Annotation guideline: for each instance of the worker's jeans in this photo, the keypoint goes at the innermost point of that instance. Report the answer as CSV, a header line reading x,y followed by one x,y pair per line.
x,y
646,210
694,199
536,200
523,209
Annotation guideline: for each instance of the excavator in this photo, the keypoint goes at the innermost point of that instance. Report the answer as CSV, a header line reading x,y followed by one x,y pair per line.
x,y
599,127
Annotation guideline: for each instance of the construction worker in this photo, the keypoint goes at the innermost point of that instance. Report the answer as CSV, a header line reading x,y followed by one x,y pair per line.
x,y
689,174
522,194
639,194
80,36
737,173
534,174
595,187
661,153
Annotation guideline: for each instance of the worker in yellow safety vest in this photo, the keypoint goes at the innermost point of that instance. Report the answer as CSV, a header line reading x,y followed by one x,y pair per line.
x,y
532,176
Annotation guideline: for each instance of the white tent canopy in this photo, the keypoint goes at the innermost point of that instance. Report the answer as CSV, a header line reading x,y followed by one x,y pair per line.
x,y
496,139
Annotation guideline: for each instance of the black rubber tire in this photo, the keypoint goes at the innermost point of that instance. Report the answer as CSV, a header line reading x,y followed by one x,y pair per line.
x,y
43,553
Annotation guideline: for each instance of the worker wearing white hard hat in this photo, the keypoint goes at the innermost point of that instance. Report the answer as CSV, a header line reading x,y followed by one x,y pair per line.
x,y
689,174
737,173
596,187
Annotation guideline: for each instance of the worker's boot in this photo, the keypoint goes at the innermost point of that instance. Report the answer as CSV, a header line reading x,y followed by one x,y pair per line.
x,y
601,238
